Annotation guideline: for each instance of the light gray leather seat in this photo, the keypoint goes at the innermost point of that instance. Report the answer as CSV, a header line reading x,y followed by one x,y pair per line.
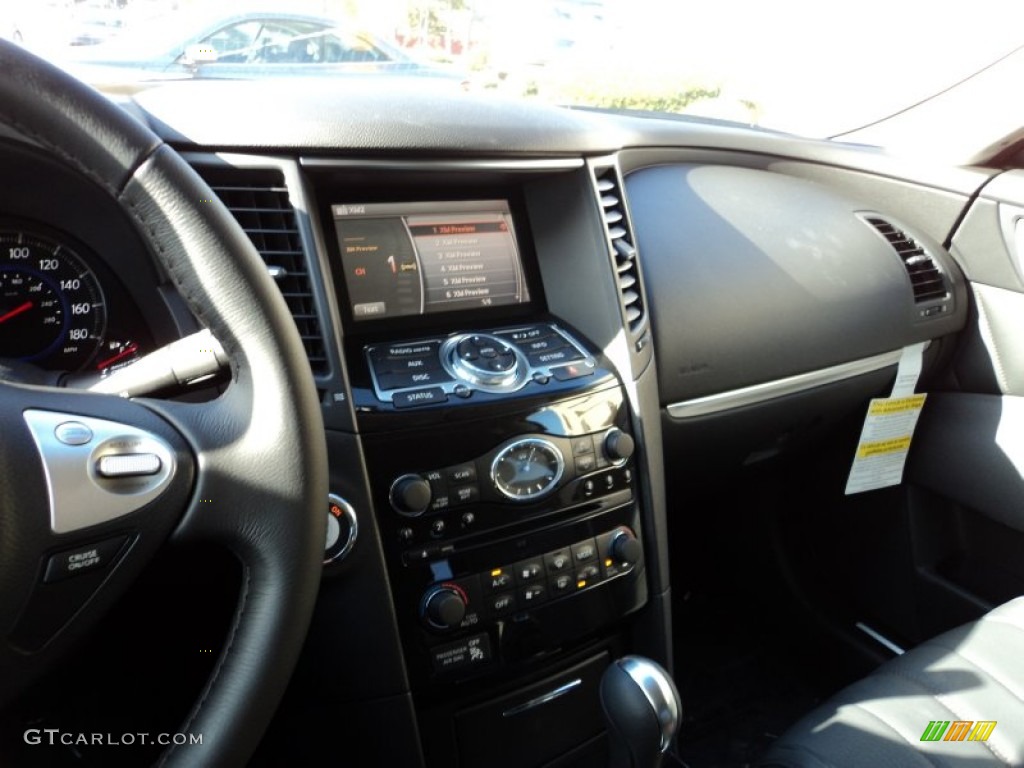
x,y
967,678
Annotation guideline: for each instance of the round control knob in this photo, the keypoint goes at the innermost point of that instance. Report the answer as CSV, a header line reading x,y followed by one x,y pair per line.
x,y
618,446
485,362
625,548
410,495
444,607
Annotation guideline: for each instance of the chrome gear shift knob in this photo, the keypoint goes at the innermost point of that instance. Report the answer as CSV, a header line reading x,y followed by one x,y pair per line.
x,y
642,709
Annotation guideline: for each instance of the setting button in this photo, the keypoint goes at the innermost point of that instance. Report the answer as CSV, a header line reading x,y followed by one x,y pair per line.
x,y
584,552
555,357
558,561
73,433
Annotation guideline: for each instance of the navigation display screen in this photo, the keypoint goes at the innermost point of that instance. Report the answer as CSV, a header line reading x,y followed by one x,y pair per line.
x,y
405,259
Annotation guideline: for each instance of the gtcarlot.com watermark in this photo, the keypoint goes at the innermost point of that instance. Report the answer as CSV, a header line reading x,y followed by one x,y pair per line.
x,y
55,736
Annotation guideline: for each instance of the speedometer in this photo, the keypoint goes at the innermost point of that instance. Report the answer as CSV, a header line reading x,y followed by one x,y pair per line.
x,y
52,310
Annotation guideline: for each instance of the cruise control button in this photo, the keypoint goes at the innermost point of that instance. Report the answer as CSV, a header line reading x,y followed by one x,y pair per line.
x,y
84,559
419,397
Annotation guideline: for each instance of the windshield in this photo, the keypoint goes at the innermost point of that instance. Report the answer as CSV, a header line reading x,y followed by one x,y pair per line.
x,y
810,68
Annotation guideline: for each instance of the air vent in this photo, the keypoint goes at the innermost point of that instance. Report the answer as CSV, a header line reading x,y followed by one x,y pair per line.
x,y
623,250
259,201
925,276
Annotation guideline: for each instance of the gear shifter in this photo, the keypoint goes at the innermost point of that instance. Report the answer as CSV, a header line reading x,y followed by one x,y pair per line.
x,y
642,710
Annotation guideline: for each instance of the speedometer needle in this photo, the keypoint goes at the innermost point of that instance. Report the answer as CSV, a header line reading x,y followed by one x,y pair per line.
x,y
16,311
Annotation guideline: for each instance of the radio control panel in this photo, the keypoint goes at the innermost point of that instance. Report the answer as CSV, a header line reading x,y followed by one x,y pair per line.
x,y
436,370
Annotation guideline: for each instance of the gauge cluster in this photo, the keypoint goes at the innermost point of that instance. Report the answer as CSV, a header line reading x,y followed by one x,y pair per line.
x,y
79,293
54,307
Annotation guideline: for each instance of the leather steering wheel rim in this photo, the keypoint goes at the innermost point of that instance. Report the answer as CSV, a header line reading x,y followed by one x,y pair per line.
x,y
259,449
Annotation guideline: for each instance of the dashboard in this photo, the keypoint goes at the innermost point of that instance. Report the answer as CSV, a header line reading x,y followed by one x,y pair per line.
x,y
520,321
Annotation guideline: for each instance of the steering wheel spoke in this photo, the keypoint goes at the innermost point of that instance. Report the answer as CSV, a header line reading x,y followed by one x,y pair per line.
x,y
250,467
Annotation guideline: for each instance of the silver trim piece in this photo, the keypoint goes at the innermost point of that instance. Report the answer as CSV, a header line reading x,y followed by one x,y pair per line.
x,y
79,495
541,700
759,393
551,164
879,638
486,381
353,529
659,690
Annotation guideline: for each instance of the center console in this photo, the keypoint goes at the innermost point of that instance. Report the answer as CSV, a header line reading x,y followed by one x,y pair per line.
x,y
502,468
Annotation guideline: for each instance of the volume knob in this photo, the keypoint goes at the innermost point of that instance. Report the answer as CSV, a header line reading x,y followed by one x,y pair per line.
x,y
410,495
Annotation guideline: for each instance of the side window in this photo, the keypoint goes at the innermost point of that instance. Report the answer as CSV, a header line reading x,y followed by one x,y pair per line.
x,y
234,44
335,48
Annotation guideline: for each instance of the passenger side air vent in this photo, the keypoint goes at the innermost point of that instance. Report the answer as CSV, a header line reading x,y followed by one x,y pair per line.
x,y
925,276
623,250
259,201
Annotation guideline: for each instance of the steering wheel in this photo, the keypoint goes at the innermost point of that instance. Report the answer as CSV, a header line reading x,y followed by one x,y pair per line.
x,y
92,485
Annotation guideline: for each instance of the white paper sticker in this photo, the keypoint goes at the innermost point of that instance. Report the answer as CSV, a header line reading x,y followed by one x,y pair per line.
x,y
888,429
909,370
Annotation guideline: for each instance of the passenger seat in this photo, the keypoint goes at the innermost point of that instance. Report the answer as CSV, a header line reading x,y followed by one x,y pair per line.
x,y
956,700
